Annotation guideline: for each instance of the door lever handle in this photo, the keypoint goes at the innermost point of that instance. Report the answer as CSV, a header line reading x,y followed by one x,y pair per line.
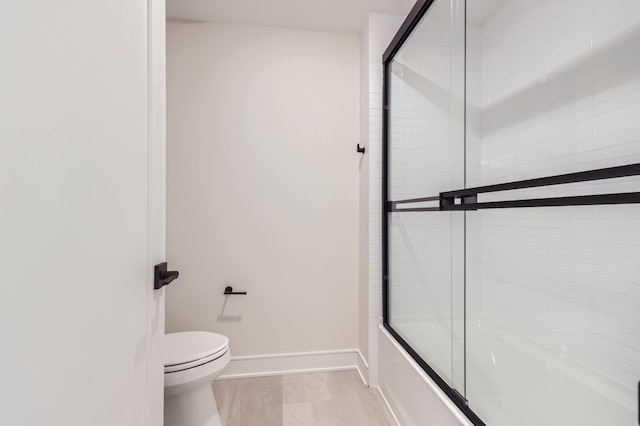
x,y
162,277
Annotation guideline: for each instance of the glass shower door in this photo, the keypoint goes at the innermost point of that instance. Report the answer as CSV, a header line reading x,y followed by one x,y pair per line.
x,y
425,147
511,183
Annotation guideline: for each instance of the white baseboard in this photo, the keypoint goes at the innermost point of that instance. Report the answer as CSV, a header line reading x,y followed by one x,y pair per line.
x,y
292,363
363,369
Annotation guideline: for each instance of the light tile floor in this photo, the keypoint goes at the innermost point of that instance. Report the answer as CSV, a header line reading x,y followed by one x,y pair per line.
x,y
317,399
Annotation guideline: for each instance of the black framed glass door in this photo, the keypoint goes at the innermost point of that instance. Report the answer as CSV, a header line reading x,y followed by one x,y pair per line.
x,y
511,184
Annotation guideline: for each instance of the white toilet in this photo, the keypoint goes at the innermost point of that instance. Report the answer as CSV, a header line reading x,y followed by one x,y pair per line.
x,y
192,360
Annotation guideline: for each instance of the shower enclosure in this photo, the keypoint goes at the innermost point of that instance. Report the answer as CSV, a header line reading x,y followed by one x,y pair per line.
x,y
511,224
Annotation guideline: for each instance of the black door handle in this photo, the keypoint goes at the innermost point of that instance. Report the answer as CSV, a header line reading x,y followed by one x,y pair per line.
x,y
162,277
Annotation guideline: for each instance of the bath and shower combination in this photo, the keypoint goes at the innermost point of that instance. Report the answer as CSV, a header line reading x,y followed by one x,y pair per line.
x,y
511,178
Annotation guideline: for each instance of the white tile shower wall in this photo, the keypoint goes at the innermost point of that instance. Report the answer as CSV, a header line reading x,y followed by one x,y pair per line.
x,y
561,93
423,153
381,30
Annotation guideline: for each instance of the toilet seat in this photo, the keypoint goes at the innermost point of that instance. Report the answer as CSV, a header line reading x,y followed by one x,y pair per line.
x,y
193,364
186,350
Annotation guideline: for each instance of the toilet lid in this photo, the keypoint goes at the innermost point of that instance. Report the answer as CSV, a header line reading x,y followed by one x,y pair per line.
x,y
189,346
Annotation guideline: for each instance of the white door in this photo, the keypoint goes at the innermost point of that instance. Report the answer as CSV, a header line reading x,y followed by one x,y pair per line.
x,y
81,212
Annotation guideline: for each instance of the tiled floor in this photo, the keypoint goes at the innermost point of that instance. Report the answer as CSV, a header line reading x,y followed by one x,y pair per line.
x,y
317,399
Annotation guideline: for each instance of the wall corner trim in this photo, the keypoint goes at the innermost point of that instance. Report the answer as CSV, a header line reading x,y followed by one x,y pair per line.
x,y
363,368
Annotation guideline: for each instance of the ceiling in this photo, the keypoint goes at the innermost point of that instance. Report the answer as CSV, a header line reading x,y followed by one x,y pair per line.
x,y
346,16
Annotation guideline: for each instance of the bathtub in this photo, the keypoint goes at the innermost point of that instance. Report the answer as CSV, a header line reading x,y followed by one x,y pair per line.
x,y
509,382
514,382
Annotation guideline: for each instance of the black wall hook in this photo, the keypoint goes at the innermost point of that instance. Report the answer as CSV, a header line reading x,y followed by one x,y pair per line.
x,y
229,290
360,148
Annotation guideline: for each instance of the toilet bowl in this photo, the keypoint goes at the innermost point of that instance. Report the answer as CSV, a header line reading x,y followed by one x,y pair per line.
x,y
192,360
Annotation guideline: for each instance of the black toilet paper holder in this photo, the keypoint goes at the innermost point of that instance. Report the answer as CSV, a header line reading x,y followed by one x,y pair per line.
x,y
229,290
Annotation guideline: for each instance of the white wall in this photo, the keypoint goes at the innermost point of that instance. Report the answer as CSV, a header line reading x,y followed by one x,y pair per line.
x,y
263,186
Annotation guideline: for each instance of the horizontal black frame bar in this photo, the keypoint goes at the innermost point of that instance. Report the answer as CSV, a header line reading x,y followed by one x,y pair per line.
x,y
393,205
597,174
417,200
468,198
416,209
582,200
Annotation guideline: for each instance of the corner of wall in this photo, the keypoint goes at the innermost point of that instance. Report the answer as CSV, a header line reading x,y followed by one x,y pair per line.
x,y
363,207
380,31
